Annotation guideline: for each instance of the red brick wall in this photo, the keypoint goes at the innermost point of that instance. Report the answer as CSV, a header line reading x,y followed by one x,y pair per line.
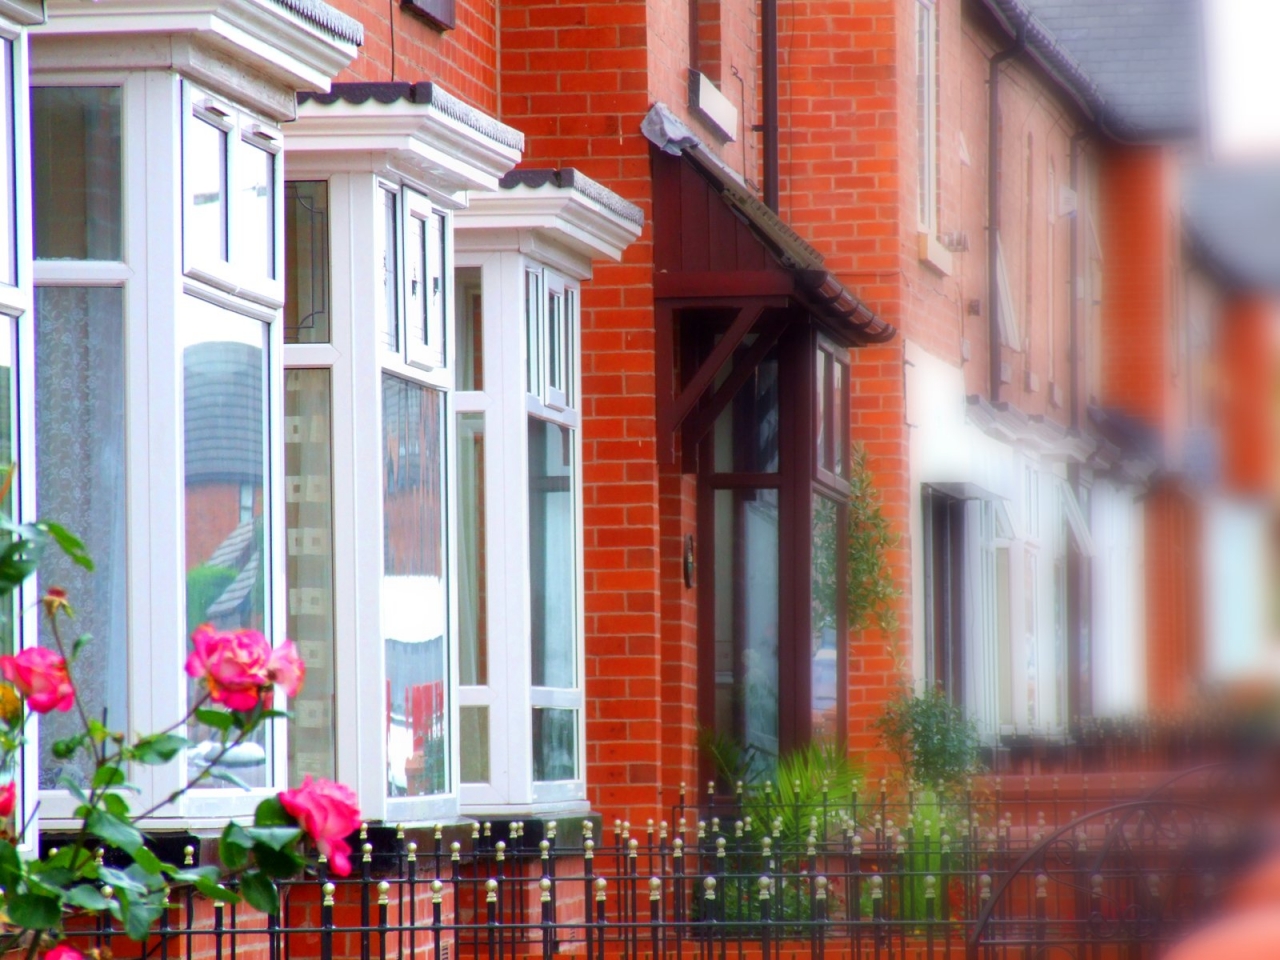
x,y
399,45
1247,415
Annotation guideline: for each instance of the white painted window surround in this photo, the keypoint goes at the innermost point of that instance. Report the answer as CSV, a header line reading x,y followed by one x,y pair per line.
x,y
174,295
533,247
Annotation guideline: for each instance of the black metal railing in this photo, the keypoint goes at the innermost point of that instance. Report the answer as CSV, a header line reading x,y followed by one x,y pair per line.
x,y
884,880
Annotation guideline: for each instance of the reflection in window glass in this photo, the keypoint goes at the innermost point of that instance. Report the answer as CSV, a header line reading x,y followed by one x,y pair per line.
x,y
390,305
306,261
469,312
745,437
824,619
308,450
414,589
205,175
556,341
746,618
473,622
555,737
255,210
80,480
840,419
820,400
552,567
75,146
224,368
474,743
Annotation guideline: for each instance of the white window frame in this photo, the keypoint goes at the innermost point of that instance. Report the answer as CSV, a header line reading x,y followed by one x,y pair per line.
x,y
927,21
513,350
243,129
152,113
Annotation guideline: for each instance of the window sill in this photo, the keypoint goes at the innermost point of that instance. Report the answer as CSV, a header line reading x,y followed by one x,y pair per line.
x,y
934,254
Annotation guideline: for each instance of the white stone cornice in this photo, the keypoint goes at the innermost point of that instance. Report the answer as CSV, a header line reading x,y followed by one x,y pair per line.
x,y
419,143
23,12
563,216
263,38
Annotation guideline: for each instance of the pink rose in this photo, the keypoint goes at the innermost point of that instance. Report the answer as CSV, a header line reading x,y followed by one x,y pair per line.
x,y
286,669
232,665
328,814
8,798
64,952
41,676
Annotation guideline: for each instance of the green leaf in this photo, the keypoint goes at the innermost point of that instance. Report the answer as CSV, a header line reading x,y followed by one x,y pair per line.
x,y
277,838
160,748
234,846
139,917
215,891
271,813
108,776
191,874
280,864
116,804
71,545
114,830
218,719
258,889
147,860
33,912
18,561
87,897
10,866
121,880
73,788
226,776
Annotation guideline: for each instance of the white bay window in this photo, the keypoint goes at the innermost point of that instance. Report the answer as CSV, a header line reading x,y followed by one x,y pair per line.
x,y
156,409
523,252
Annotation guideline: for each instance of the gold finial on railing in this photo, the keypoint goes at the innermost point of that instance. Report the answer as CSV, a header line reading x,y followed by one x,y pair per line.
x,y
709,888
715,824
400,831
475,831
384,893
602,886
439,832
1042,886
655,888
366,852
544,849
588,829
588,849
677,848
632,846
412,849
544,890
327,891
499,851
984,887
1095,884
821,884
364,832
720,851
437,891
877,886
763,885
109,893
812,849
455,851
930,884
188,855
491,891
737,828
662,829
488,828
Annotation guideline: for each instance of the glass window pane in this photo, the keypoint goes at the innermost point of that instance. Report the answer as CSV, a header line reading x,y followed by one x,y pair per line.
x,y
533,331
306,261
474,737
473,595
555,744
825,598
555,337
308,468
469,312
205,173
414,590
390,306
820,400
256,212
80,482
75,147
745,436
224,368
840,417
434,299
552,554
746,618
8,206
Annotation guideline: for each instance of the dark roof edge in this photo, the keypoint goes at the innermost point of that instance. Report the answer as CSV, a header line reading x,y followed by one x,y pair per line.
x,y
1075,80
334,22
821,288
424,93
571,178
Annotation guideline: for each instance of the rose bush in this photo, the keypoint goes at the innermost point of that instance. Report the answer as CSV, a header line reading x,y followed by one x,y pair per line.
x,y
238,673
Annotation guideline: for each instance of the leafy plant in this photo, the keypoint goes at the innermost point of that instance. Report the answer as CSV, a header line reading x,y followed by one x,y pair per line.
x,y
934,742
238,673
873,588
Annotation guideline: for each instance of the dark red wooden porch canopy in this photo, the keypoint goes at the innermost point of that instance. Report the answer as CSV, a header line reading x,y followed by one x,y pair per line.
x,y
719,248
